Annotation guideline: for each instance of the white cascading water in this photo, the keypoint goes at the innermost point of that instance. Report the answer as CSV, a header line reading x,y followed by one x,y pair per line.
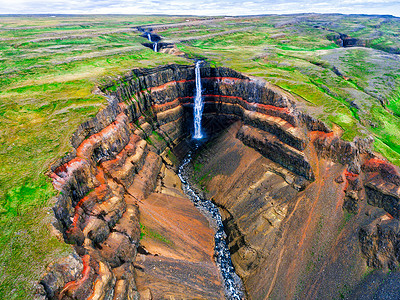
x,y
198,105
231,281
155,44
149,37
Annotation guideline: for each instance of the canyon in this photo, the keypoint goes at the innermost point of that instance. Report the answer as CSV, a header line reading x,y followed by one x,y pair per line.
x,y
306,213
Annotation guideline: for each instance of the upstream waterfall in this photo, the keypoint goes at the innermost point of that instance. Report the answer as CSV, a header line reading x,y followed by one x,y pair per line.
x,y
149,37
155,43
198,104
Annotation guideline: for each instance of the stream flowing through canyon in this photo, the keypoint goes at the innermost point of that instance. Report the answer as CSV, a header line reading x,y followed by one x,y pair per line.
x,y
232,283
276,185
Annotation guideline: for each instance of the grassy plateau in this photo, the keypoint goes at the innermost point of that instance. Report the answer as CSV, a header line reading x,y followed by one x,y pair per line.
x,y
50,67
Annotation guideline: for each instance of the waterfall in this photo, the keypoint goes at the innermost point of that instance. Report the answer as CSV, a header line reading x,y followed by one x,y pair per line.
x,y
154,43
149,37
198,105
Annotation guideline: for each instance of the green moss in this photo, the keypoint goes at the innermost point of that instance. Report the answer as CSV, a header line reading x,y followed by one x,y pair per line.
x,y
147,232
389,153
197,167
157,136
346,218
46,92
25,242
171,156
368,271
41,105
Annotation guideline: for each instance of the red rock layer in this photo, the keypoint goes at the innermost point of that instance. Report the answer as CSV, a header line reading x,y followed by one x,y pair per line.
x,y
116,162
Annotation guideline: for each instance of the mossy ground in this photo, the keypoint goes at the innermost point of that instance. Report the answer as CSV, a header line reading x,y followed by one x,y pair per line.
x,y
46,92
354,88
50,67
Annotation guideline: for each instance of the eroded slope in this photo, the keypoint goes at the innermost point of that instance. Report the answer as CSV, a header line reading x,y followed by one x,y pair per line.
x,y
282,194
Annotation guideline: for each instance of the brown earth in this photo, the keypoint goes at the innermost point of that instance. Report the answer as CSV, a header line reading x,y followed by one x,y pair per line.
x,y
178,247
285,243
308,215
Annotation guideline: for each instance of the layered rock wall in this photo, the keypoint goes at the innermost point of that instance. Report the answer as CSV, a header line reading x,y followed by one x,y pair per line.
x,y
227,94
119,153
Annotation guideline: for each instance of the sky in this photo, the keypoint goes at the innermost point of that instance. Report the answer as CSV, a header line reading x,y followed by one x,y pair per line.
x,y
200,7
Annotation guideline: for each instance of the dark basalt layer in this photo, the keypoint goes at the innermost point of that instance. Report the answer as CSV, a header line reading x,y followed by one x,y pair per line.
x,y
380,243
270,147
119,154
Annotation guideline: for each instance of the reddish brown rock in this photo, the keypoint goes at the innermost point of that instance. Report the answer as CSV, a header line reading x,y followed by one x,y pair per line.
x,y
59,274
380,242
129,223
178,243
271,212
125,287
117,249
269,146
96,230
145,181
81,288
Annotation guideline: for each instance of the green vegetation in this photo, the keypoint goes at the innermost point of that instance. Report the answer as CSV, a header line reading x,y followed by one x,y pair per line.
x,y
343,290
172,157
346,218
368,271
51,66
46,92
145,231
354,88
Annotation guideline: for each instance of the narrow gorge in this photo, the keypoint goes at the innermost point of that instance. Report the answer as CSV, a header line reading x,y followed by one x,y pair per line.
x,y
301,207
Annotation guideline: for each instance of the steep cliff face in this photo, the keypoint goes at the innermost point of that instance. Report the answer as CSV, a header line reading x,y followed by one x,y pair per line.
x,y
295,239
120,181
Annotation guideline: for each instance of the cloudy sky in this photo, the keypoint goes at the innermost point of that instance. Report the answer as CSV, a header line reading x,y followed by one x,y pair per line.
x,y
199,7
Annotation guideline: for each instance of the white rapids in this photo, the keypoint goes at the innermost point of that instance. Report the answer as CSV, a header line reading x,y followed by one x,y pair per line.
x,y
233,285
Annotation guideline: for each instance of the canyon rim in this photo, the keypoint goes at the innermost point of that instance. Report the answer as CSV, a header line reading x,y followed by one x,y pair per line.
x,y
161,157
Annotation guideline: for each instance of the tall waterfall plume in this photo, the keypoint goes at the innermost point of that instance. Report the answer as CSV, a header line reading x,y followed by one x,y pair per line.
x,y
198,104
155,46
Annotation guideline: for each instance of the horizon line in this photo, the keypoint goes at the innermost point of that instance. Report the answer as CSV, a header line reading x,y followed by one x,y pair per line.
x,y
192,15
